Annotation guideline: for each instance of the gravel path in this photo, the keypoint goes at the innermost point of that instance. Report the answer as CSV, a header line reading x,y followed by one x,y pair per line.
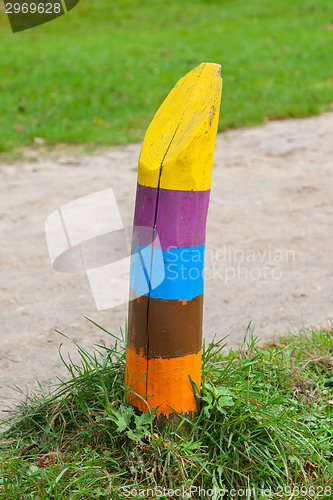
x,y
269,243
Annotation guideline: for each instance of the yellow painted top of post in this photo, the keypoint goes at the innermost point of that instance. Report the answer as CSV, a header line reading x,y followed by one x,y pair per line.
x,y
178,147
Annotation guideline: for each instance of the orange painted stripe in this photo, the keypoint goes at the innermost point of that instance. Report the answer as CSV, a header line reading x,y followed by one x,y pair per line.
x,y
166,383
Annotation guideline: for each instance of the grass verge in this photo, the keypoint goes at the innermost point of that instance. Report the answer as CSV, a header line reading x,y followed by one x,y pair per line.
x,y
98,74
264,430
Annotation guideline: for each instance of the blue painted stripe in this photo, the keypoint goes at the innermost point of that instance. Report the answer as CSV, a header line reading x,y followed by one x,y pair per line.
x,y
177,273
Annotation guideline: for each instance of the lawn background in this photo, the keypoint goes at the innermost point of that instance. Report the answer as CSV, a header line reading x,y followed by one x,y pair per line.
x,y
98,74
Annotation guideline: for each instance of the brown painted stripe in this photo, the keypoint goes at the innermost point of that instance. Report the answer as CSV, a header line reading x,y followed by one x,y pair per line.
x,y
175,327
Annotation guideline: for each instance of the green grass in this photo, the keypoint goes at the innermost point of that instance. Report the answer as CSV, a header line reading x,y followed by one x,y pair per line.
x,y
265,421
98,74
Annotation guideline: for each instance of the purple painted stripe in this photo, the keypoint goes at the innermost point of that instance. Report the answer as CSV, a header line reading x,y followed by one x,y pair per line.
x,y
181,216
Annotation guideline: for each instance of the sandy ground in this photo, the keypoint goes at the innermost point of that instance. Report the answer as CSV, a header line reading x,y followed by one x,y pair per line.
x,y
269,243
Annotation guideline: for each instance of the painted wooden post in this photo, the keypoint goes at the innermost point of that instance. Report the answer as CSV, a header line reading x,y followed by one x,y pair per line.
x,y
174,178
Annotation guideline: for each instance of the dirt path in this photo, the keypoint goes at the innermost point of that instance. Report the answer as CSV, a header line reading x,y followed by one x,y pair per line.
x,y
269,243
